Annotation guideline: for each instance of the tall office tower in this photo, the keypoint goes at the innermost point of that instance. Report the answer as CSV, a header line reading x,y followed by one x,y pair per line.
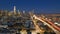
x,y
18,12
14,9
23,11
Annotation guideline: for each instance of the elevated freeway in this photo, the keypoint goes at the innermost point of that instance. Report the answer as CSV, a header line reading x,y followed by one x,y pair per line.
x,y
50,24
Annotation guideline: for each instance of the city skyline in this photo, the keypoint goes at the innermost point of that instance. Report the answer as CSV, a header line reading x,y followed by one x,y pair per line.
x,y
39,6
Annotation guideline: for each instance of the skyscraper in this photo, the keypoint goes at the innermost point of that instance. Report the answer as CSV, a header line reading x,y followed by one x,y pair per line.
x,y
14,9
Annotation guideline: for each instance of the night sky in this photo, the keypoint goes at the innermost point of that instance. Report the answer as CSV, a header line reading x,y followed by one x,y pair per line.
x,y
39,6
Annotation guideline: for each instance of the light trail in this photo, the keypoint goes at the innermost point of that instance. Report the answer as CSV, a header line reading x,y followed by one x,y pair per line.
x,y
48,23
38,30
